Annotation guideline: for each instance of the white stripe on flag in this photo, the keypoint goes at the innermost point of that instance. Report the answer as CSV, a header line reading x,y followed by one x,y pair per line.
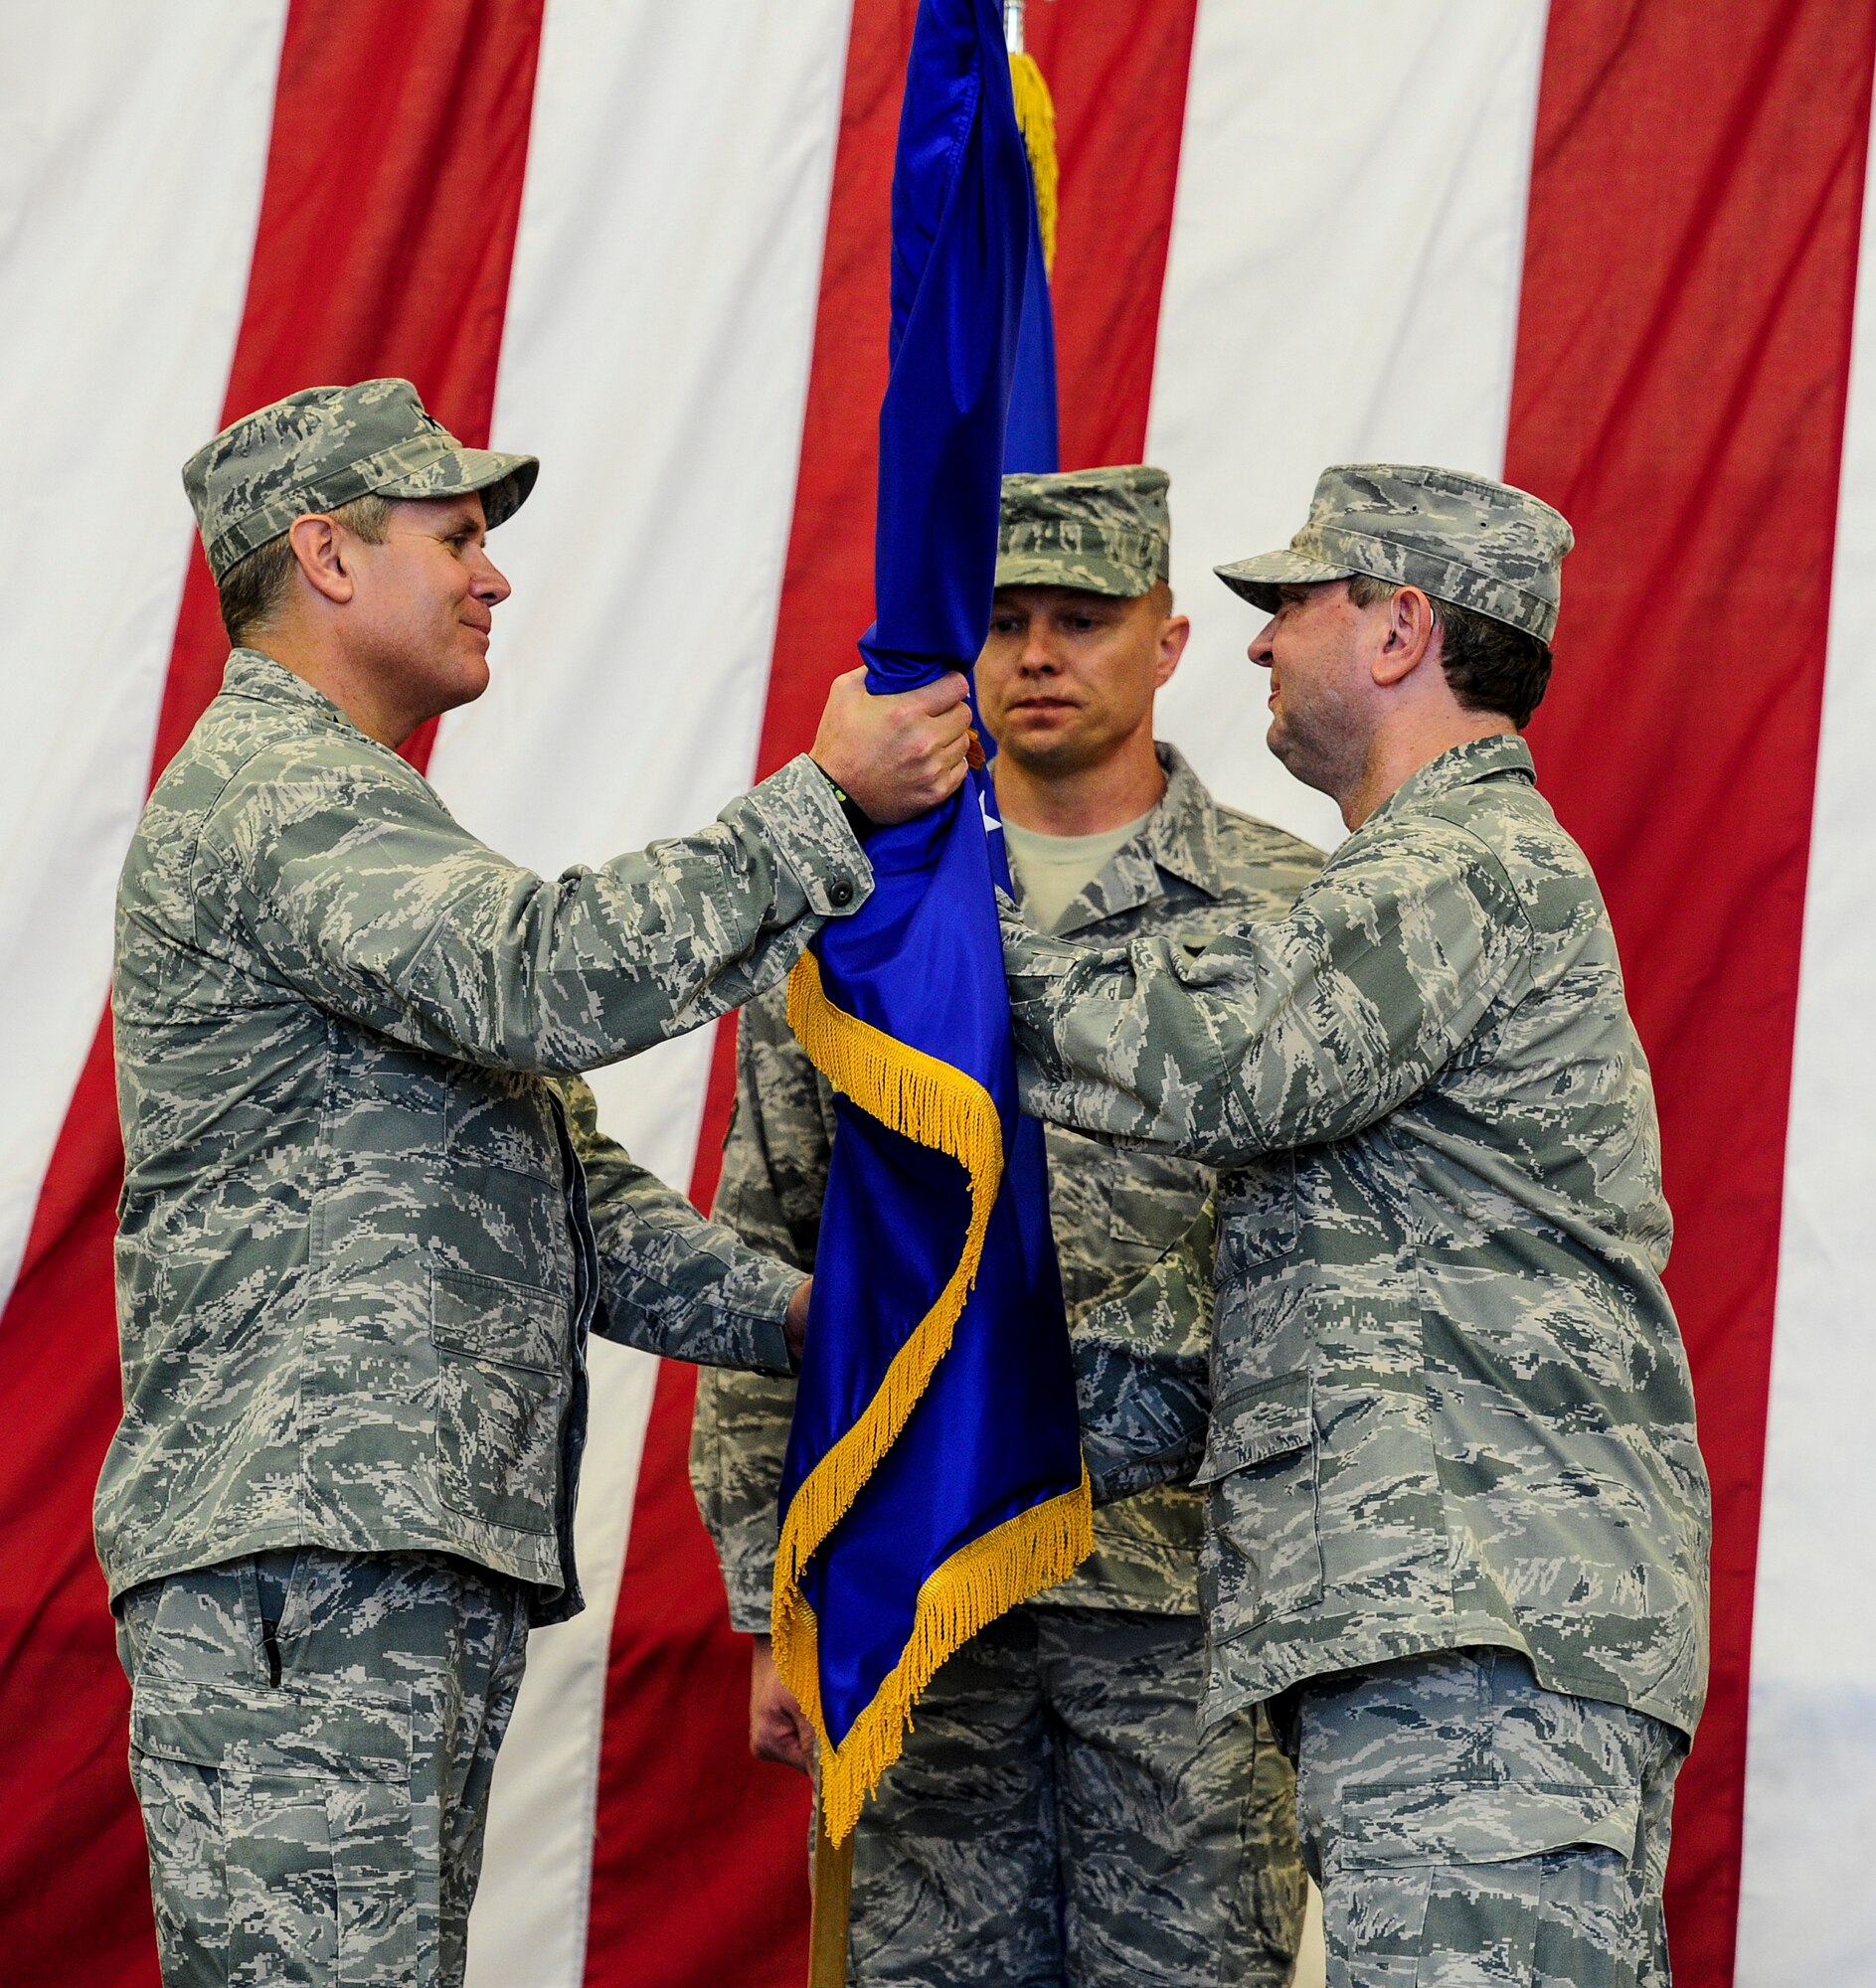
x,y
1807,1906
529,1925
1342,286
132,148
660,330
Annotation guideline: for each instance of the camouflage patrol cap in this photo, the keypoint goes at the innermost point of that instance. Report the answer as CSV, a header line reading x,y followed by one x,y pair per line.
x,y
320,448
1460,539
1104,531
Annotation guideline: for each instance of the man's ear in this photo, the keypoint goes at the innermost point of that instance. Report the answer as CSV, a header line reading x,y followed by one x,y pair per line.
x,y
320,549
1174,632
1408,640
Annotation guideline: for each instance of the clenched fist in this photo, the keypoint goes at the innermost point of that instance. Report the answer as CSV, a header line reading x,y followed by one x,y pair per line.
x,y
897,754
777,1727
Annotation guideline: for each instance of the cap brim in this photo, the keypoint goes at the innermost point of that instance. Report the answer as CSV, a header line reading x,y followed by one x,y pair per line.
x,y
1258,579
504,481
1022,569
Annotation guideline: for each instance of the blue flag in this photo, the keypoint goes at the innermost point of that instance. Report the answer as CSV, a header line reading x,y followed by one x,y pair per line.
x,y
933,1476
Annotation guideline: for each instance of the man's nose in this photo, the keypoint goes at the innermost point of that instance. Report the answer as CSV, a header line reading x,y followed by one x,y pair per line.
x,y
491,583
1038,653
1260,650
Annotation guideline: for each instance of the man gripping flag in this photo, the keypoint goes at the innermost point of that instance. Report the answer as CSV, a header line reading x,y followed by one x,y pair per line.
x,y
934,1477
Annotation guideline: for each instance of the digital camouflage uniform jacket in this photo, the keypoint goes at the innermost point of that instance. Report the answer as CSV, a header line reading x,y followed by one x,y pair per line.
x,y
1449,1402
368,1215
1194,869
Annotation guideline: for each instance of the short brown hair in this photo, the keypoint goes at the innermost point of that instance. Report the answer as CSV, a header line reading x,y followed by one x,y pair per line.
x,y
253,587
1490,665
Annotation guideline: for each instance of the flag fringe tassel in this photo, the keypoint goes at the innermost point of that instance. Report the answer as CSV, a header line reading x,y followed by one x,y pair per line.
x,y
937,1106
994,1573
1035,118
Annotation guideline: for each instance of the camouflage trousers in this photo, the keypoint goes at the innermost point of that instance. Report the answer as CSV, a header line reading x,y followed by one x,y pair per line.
x,y
312,1738
1056,1821
1471,1830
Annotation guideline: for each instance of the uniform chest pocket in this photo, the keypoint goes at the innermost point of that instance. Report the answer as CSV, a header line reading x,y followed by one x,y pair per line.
x,y
504,1373
1261,1224
1262,1554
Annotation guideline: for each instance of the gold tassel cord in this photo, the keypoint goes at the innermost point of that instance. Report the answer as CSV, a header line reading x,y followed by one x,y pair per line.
x,y
1034,115
938,1107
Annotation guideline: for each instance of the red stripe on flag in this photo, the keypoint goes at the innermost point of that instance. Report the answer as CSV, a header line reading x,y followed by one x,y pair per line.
x,y
1682,361
387,227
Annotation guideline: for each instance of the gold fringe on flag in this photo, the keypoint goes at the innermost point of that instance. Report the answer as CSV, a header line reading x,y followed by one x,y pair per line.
x,y
1034,115
938,1107
994,1575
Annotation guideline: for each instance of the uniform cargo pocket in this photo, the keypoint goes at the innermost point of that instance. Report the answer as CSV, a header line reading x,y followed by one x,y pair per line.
x,y
312,1795
291,1731
504,1369
386,1127
1261,1555
1485,1822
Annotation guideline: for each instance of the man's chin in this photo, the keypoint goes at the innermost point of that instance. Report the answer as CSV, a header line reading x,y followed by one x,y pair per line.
x,y
465,685
1286,751
1046,754
1046,734
1301,765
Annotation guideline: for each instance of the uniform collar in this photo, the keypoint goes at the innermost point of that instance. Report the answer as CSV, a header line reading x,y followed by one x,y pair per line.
x,y
1467,765
250,674
1179,838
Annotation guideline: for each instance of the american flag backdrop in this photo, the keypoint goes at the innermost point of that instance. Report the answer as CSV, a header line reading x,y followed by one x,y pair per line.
x,y
1606,249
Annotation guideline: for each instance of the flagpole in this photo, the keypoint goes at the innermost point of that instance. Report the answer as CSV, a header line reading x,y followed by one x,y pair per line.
x,y
834,1901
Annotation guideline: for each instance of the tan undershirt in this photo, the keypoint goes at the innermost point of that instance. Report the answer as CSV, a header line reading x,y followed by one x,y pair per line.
x,y
1054,870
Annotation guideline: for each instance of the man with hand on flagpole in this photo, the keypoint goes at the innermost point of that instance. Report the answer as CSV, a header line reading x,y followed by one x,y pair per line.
x,y
1457,1524
1055,1815
368,1217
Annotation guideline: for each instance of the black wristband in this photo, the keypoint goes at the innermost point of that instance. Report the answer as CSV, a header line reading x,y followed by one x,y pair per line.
x,y
858,819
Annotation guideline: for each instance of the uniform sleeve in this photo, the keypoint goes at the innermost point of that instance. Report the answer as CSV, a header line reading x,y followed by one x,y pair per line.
x,y
366,897
1142,1370
739,1437
780,1139
1281,1034
672,1282
774,1173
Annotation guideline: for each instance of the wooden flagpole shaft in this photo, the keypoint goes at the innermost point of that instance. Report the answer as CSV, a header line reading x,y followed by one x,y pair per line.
x,y
833,1898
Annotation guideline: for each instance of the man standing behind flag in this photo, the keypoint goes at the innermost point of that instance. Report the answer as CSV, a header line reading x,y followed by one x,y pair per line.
x,y
1458,1523
1054,1816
